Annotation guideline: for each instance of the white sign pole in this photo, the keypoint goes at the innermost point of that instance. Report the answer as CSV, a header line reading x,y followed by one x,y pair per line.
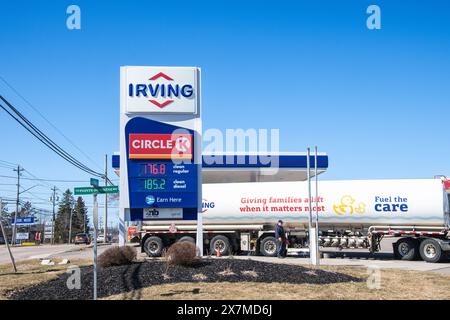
x,y
317,208
95,218
198,158
312,230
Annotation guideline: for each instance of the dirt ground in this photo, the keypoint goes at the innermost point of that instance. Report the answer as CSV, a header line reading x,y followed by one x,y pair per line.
x,y
394,284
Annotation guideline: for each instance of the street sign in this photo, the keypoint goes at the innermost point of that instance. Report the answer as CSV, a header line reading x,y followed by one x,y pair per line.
x,y
94,182
24,221
22,236
92,190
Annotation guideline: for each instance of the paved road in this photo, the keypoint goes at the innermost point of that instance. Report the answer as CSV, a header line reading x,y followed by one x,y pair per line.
x,y
362,260
70,251
361,257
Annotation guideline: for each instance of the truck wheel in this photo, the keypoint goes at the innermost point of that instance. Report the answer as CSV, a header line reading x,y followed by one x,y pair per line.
x,y
153,246
430,251
220,243
187,238
268,247
406,249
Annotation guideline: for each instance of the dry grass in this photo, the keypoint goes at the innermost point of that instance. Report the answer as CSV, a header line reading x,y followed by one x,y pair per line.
x,y
30,272
395,284
117,256
226,272
182,253
250,273
199,277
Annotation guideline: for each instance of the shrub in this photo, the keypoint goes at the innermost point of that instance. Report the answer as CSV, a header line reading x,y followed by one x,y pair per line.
x,y
182,253
117,256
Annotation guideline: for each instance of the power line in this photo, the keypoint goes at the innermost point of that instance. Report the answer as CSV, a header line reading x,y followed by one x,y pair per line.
x,y
6,166
38,134
48,121
51,180
9,163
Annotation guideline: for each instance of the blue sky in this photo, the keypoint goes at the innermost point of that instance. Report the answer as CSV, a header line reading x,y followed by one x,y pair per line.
x,y
377,101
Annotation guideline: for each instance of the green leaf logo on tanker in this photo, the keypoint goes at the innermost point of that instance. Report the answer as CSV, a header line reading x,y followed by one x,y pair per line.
x,y
348,205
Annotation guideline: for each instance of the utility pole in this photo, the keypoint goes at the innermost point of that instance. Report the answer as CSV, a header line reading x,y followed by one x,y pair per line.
x,y
13,238
54,217
105,220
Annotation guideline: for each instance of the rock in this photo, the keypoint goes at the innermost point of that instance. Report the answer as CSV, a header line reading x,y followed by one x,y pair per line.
x,y
47,262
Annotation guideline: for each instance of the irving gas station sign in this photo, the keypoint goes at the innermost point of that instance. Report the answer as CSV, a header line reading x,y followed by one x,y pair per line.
x,y
160,144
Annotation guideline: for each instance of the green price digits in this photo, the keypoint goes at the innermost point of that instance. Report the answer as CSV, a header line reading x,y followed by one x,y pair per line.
x,y
155,184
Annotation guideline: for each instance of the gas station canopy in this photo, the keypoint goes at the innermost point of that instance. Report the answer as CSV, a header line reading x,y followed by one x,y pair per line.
x,y
247,167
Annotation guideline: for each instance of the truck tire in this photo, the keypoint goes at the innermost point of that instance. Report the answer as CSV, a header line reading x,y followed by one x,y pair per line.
x,y
222,243
406,249
430,251
268,247
188,239
153,246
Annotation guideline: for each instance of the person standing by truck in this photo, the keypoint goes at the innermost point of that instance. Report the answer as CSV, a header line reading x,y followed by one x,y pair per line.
x,y
280,235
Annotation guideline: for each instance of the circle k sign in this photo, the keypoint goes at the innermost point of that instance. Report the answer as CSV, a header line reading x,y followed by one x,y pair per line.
x,y
160,146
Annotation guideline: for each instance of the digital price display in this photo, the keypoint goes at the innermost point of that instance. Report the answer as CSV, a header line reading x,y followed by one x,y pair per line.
x,y
154,169
155,184
162,177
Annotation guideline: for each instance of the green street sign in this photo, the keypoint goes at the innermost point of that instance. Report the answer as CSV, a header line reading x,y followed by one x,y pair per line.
x,y
91,190
94,182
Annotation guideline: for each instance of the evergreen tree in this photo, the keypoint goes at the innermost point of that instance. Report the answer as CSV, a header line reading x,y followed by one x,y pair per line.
x,y
63,217
6,215
80,221
26,210
6,220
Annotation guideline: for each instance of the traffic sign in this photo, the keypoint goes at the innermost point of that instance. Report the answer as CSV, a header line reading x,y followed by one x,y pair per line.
x,y
24,221
94,182
22,235
91,190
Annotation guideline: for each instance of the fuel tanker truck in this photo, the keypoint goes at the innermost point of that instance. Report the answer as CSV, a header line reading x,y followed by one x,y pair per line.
x,y
351,214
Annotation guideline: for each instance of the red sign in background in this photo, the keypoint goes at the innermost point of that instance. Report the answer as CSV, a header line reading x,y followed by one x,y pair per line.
x,y
160,146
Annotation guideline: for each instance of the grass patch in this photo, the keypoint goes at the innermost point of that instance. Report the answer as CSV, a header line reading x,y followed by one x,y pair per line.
x,y
395,284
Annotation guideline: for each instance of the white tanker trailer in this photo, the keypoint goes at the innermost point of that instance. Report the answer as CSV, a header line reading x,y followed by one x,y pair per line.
x,y
352,214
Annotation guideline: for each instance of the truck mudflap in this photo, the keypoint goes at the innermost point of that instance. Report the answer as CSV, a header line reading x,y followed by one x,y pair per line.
x,y
444,244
